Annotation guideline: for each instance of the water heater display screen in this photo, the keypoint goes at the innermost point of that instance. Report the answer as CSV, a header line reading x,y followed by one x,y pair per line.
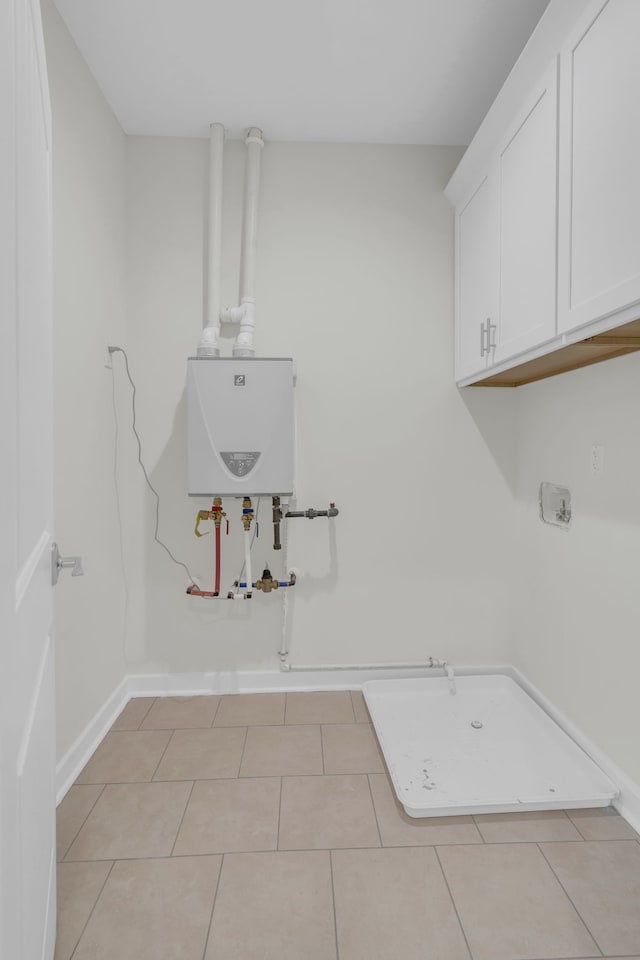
x,y
240,464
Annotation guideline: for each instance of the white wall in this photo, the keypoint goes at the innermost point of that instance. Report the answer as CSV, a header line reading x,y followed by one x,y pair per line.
x,y
438,548
355,282
576,635
89,312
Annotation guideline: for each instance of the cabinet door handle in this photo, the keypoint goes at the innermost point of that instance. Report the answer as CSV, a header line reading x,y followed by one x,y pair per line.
x,y
483,334
491,329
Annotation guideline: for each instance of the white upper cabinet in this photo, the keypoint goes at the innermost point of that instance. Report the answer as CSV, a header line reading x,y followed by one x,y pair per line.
x,y
476,277
506,241
547,198
527,167
599,225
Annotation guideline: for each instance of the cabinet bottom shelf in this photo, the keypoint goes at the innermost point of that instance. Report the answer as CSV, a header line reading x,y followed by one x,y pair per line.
x,y
616,343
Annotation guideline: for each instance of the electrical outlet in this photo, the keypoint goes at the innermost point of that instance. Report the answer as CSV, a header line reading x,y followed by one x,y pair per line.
x,y
597,458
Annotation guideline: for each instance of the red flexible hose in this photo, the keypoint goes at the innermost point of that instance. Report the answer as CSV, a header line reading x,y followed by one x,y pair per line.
x,y
216,588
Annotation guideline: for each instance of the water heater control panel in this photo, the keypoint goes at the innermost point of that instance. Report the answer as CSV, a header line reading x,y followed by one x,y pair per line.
x,y
240,426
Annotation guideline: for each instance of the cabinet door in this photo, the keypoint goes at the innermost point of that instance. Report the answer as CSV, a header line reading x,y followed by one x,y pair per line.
x,y
527,173
599,267
476,276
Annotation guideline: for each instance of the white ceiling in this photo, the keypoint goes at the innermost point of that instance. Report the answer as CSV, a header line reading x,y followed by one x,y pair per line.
x,y
373,71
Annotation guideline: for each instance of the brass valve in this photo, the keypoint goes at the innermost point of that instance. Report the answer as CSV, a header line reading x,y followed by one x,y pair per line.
x,y
216,514
247,513
277,519
267,583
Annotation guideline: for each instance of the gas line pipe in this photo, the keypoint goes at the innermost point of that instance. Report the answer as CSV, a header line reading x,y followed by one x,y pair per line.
x,y
310,514
277,519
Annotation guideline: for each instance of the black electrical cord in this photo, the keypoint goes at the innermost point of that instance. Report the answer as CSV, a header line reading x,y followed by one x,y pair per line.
x,y
179,563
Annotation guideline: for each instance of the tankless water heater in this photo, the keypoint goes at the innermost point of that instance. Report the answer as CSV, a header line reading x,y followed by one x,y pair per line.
x,y
240,426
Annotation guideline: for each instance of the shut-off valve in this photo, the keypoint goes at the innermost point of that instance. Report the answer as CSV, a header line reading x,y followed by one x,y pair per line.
x,y
216,514
266,582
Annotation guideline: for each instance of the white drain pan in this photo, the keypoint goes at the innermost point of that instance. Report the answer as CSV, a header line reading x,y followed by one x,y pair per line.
x,y
487,749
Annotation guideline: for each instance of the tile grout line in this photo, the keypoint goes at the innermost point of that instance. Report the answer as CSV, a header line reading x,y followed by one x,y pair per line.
x,y
235,726
299,723
353,709
75,836
146,713
314,723
392,846
479,831
253,776
577,828
173,729
333,898
215,712
566,892
213,905
324,766
375,812
244,747
114,729
279,815
184,812
91,912
351,693
453,902
157,766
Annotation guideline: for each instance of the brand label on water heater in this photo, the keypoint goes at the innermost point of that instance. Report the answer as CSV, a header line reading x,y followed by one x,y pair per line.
x,y
240,464
239,380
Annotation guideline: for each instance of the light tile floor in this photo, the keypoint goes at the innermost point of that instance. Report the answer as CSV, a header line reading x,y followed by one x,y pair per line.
x,y
264,827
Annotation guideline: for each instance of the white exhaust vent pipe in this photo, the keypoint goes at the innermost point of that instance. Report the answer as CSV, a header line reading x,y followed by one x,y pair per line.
x,y
245,314
209,341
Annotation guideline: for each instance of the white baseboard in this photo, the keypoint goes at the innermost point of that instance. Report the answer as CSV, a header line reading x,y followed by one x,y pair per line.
x,y
79,753
628,802
275,681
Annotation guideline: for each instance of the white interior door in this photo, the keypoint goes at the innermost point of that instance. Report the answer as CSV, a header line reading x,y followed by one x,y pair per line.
x,y
27,797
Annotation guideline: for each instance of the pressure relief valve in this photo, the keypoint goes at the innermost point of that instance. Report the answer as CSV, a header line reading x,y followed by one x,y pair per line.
x,y
216,514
